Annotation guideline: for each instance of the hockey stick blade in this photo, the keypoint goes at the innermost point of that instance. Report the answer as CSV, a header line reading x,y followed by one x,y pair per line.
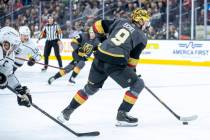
x,y
94,133
190,118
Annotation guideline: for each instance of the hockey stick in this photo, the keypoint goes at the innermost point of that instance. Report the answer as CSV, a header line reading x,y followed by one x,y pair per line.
x,y
39,63
183,119
94,133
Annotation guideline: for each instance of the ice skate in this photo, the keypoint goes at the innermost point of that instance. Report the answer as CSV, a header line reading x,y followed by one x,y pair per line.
x,y
65,115
44,69
51,79
124,120
71,80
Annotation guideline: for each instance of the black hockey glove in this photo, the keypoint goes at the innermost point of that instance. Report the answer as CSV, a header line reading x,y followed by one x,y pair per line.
x,y
23,98
3,81
31,61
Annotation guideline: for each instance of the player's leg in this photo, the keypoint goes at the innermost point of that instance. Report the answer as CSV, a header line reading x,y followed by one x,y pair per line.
x,y
16,66
76,71
57,53
95,81
62,72
127,78
47,51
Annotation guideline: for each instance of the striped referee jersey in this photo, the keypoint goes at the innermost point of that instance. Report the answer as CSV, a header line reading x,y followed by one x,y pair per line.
x,y
51,32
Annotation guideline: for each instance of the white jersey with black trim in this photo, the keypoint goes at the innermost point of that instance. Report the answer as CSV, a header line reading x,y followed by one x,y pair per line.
x,y
6,67
6,63
25,50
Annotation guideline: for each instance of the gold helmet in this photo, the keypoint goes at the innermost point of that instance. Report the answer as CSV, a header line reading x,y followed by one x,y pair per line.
x,y
140,14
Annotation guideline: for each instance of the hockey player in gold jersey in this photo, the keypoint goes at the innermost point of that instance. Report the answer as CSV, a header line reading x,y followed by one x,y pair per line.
x,y
116,58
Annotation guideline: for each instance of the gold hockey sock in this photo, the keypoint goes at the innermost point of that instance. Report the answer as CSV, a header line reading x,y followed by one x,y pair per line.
x,y
128,101
79,98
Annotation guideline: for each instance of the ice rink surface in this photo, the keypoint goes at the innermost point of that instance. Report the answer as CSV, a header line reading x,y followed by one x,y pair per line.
x,y
185,89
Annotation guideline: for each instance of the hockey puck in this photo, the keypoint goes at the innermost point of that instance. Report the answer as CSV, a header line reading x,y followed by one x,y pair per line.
x,y
185,123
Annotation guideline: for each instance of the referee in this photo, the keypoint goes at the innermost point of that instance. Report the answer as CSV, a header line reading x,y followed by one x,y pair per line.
x,y
53,34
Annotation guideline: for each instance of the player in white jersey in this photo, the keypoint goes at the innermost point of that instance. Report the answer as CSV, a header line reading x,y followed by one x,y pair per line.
x,y
27,49
9,41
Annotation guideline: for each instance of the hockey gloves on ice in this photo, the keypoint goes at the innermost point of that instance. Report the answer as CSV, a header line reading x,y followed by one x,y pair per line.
x,y
3,81
23,98
31,61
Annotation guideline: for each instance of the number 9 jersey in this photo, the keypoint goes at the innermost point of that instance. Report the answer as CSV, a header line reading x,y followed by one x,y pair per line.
x,y
124,43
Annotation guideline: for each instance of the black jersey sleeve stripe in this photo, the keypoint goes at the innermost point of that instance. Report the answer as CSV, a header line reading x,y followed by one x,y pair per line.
x,y
10,59
30,48
17,64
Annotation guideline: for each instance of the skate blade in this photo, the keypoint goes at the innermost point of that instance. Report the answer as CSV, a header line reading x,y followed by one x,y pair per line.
x,y
49,83
70,84
125,124
61,119
43,71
